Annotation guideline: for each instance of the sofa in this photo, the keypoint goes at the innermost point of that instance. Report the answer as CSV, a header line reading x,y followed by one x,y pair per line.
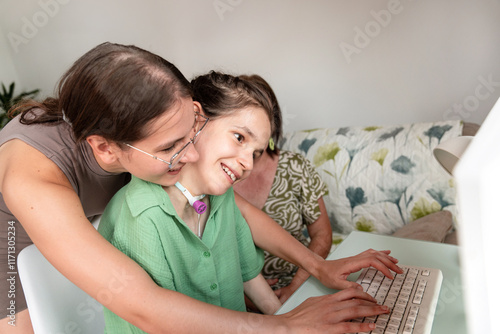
x,y
385,179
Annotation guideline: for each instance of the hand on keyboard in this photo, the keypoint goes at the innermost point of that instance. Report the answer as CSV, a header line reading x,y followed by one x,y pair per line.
x,y
332,313
411,296
334,273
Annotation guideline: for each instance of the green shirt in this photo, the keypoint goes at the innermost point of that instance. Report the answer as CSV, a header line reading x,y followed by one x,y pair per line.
x,y
141,222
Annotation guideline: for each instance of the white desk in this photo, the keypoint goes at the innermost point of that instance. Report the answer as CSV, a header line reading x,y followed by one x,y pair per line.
x,y
450,314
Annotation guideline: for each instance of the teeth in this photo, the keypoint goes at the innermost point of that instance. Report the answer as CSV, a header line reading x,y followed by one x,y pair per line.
x,y
228,172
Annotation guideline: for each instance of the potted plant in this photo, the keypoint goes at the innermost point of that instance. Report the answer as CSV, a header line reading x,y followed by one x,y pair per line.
x,y
8,99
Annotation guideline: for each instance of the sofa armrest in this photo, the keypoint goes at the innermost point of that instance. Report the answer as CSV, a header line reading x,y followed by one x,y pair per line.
x,y
433,227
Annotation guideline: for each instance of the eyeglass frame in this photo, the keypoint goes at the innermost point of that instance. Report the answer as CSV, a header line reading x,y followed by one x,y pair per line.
x,y
179,153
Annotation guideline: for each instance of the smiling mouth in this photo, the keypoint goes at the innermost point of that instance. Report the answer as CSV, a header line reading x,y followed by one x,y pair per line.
x,y
175,171
229,173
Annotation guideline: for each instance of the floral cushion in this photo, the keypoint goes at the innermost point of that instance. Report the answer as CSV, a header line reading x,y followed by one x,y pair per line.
x,y
379,178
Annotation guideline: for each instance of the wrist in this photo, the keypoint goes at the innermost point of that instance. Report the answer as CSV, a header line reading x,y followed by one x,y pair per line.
x,y
313,264
281,324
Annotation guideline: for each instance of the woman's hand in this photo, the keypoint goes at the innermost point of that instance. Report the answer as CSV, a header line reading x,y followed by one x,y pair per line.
x,y
334,273
332,313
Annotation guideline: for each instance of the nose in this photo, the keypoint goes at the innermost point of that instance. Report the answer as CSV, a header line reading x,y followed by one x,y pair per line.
x,y
191,155
246,160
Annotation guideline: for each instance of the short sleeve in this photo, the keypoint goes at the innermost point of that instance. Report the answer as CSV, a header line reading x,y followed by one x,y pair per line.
x,y
312,189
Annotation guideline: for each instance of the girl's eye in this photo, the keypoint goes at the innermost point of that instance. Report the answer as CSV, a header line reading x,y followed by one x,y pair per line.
x,y
238,137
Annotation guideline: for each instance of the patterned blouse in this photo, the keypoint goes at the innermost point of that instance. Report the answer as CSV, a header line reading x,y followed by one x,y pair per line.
x,y
292,203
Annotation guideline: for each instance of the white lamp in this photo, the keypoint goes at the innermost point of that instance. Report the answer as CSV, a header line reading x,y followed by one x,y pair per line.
x,y
449,152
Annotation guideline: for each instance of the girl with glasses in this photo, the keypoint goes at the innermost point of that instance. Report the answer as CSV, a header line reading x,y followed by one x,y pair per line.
x,y
63,159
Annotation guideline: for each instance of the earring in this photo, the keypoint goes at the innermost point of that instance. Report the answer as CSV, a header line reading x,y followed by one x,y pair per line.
x,y
271,144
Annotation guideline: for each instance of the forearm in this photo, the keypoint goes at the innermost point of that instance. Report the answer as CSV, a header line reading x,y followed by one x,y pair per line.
x,y
320,244
261,294
178,315
270,236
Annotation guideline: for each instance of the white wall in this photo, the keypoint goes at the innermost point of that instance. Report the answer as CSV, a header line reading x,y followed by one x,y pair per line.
x,y
331,63
8,73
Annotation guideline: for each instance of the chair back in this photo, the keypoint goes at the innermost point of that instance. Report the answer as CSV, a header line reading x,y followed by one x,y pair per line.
x,y
55,304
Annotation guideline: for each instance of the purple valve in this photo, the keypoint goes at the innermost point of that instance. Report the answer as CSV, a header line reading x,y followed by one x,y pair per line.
x,y
199,207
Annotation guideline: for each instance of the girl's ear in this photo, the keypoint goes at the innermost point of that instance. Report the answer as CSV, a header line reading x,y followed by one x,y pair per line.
x,y
104,150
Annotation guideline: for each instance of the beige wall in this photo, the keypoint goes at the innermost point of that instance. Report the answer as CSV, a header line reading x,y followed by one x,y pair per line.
x,y
332,63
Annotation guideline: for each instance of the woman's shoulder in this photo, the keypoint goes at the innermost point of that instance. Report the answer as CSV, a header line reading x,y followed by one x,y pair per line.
x,y
42,136
287,157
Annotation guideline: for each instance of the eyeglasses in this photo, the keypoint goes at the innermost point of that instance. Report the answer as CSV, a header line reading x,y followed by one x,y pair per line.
x,y
198,119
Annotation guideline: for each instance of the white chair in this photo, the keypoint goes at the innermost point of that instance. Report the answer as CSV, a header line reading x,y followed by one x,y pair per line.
x,y
55,304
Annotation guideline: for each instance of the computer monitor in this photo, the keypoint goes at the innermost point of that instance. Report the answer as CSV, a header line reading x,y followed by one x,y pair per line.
x,y
477,176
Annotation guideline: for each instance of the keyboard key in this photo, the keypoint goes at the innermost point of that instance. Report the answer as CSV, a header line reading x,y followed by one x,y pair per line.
x,y
408,330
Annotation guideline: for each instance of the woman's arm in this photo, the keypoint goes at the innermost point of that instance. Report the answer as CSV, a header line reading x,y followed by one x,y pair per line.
x,y
272,237
320,233
261,294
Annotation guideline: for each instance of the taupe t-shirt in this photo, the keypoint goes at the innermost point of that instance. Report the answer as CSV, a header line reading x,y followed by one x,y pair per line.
x,y
94,186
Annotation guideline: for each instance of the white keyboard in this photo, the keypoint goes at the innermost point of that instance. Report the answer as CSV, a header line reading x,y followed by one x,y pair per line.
x,y
411,296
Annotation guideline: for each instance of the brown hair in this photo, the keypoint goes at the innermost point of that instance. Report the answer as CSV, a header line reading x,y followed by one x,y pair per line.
x,y
113,91
221,94
277,133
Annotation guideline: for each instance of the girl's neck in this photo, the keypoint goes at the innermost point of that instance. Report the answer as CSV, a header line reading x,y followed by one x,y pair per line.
x,y
179,201
186,212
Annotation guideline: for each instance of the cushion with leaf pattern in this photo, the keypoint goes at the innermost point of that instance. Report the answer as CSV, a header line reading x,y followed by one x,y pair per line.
x,y
379,178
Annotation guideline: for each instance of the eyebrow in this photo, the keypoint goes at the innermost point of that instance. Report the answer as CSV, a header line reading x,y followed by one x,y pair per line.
x,y
251,134
248,131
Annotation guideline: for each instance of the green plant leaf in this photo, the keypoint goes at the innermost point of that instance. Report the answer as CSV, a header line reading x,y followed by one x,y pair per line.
x,y
8,99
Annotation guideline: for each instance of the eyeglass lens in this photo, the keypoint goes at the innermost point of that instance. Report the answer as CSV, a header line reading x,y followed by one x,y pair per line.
x,y
199,124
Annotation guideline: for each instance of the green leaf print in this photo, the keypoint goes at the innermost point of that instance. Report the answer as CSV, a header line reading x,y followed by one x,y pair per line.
x,y
337,239
371,128
380,155
325,153
365,225
423,208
